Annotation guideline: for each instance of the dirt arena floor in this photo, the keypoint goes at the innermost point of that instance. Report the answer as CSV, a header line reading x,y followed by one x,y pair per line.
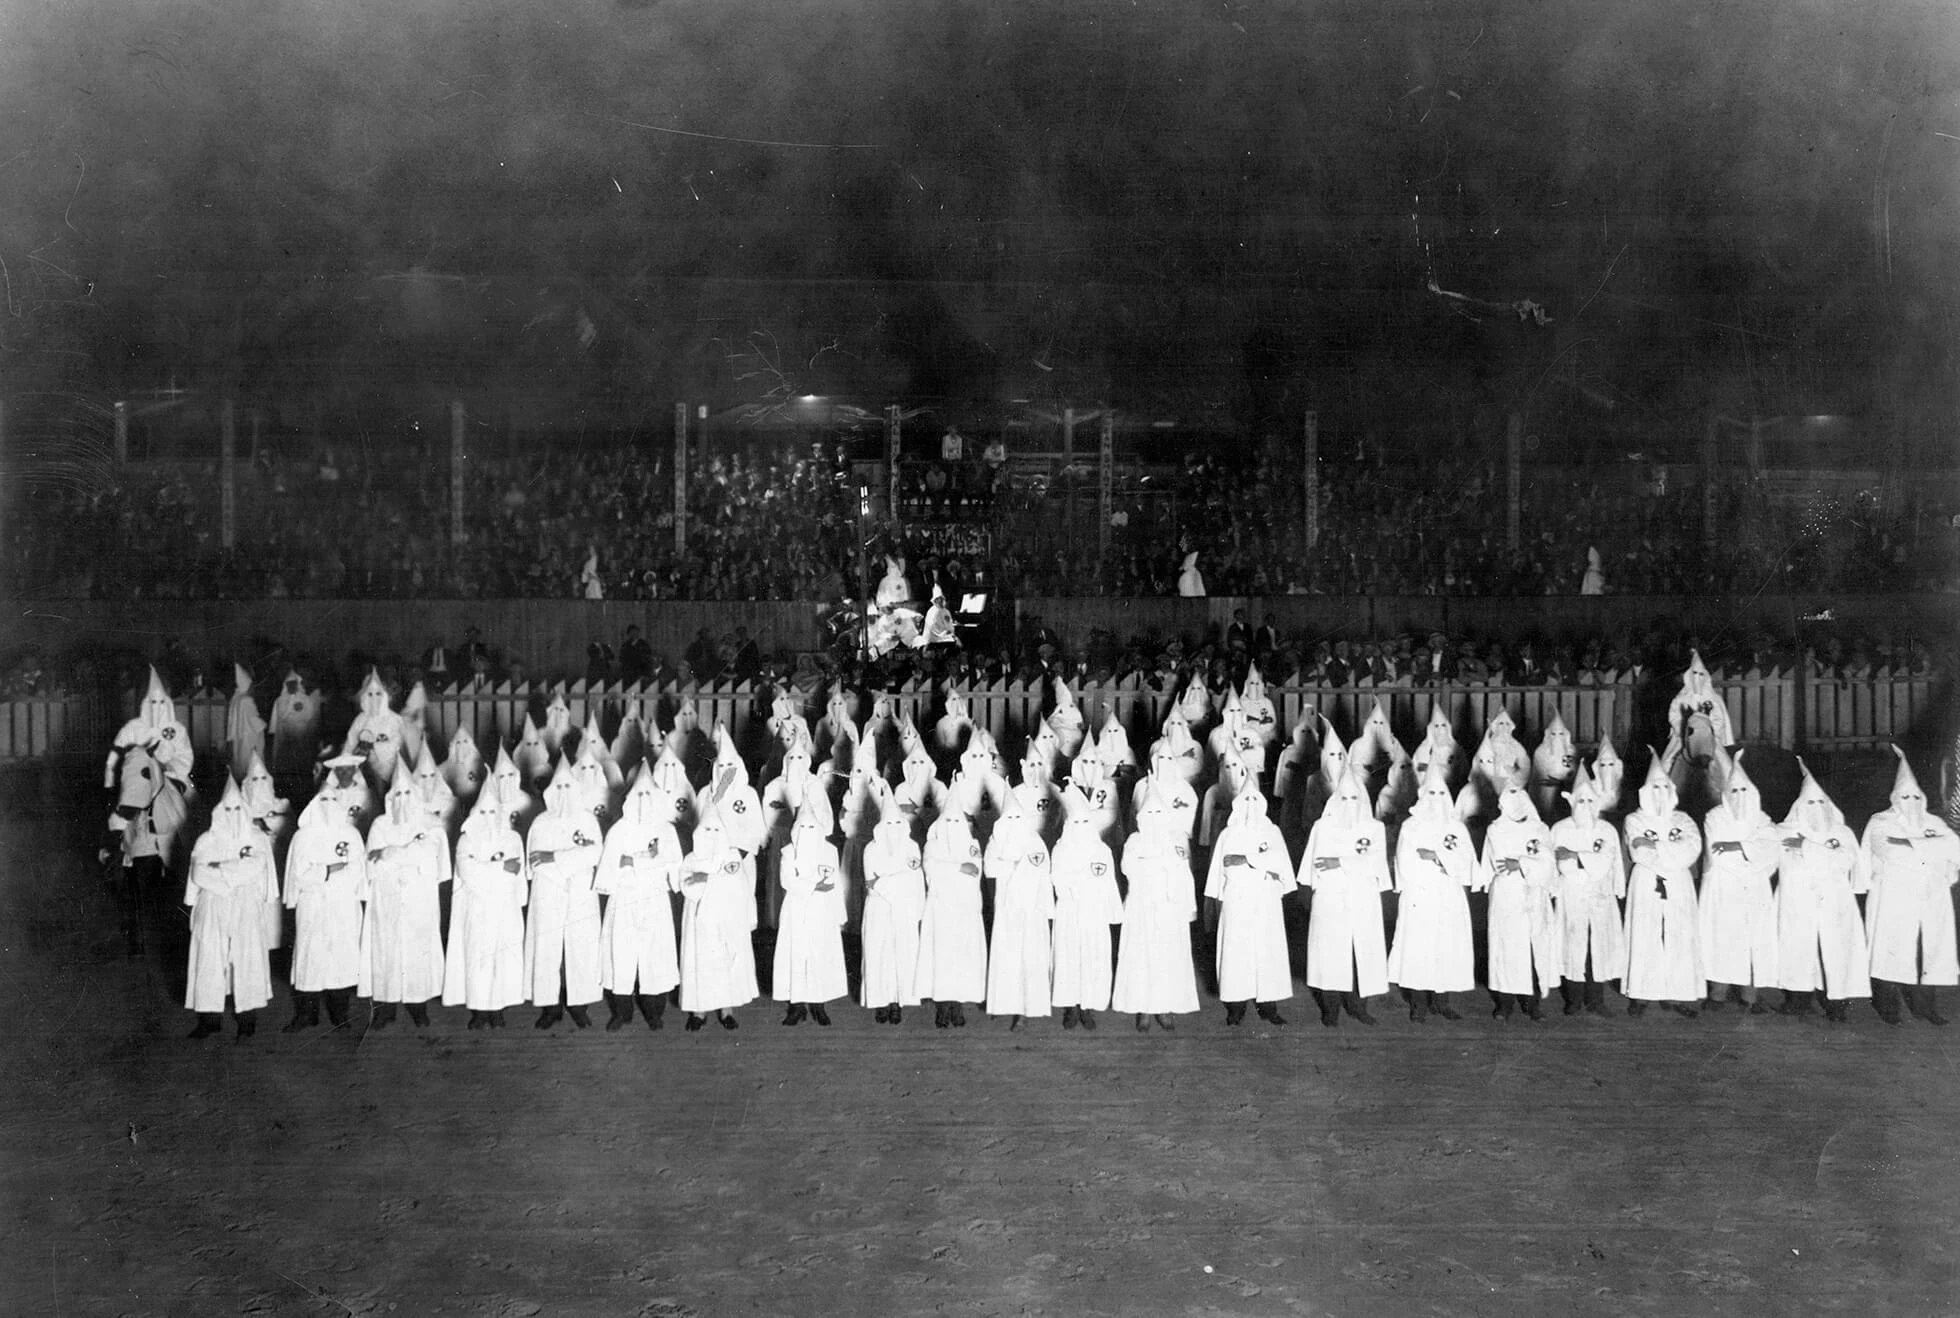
x,y
1726,1165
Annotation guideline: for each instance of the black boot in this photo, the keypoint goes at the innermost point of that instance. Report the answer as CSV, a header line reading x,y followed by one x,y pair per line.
x,y
1269,1013
1164,1021
383,1017
942,1015
1577,995
479,1020
1330,1007
1596,997
1533,1007
1357,1007
248,1023
1440,1004
695,1021
726,1021
881,1015
549,1017
1505,1006
1794,1004
1235,1013
1069,1021
339,1005
208,1024
496,1019
1087,1017
796,1015
1757,1007
619,1010
653,1007
1143,1023
418,1014
1885,1000
1013,1024
306,1013
896,1015
579,1017
818,1014
1836,1009
959,1016
1418,1005
1685,1010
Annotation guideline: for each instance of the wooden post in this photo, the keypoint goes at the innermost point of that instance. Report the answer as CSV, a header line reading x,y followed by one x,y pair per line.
x,y
893,433
1513,479
122,433
1105,485
227,476
1710,439
1310,462
458,531
680,479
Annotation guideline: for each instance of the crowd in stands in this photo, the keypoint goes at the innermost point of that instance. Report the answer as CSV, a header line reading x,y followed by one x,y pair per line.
x,y
782,522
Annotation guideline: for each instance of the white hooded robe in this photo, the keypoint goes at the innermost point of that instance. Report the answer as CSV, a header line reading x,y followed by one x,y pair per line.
x,y
1249,876
1346,865
408,862
1523,932
1664,962
952,936
232,878
484,970
1087,904
562,932
1820,935
639,868
1435,864
1154,972
326,886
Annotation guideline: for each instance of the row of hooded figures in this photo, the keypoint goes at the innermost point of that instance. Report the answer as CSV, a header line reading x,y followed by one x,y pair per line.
x,y
1073,884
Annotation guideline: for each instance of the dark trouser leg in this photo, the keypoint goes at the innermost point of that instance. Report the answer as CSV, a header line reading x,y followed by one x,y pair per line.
x,y
1596,998
1575,992
338,1002
382,1017
418,1012
1330,1007
208,1024
1921,999
1885,1000
1795,1003
248,1023
306,1012
1501,1006
1269,1013
653,1007
1440,1004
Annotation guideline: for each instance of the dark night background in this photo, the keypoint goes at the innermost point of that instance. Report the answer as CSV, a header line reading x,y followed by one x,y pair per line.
x,y
1231,207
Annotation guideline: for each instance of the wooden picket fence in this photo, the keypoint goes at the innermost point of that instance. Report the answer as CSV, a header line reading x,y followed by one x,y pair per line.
x,y
1818,715
1861,715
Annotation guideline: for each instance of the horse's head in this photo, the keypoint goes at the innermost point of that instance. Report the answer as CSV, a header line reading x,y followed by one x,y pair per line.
x,y
139,781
